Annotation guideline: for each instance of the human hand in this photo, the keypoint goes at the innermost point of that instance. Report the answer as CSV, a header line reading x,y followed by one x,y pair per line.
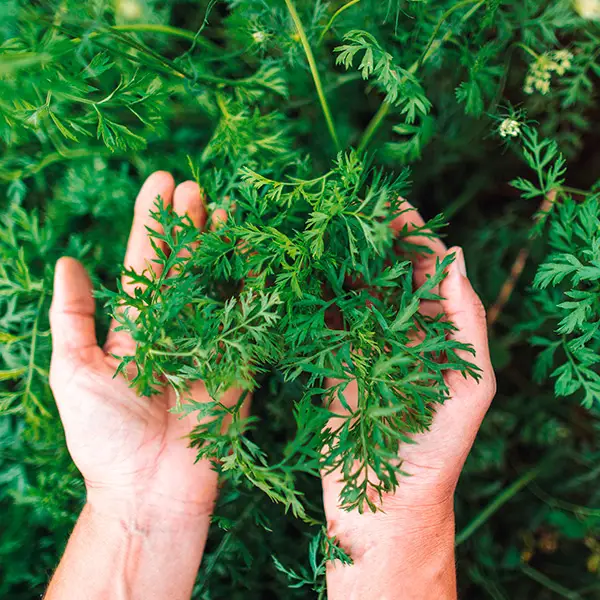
x,y
132,452
406,551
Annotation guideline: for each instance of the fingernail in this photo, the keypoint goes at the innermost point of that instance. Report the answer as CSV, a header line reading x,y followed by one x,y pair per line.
x,y
460,261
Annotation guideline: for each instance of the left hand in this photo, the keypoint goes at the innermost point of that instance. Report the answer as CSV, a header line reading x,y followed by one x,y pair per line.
x,y
407,549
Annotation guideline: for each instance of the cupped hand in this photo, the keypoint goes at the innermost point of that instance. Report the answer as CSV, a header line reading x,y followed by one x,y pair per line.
x,y
130,449
417,520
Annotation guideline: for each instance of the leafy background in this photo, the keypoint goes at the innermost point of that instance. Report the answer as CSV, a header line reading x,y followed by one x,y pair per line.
x,y
96,95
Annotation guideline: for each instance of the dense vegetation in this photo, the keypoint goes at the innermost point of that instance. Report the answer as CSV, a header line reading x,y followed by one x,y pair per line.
x,y
307,120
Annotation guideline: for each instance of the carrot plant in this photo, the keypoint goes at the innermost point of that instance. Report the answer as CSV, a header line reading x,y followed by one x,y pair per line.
x,y
309,122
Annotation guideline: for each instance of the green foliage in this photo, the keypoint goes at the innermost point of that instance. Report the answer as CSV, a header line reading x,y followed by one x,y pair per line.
x,y
323,546
294,278
402,88
254,100
569,281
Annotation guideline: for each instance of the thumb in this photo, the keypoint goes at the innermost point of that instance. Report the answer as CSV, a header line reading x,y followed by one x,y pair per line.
x,y
72,310
464,309
457,420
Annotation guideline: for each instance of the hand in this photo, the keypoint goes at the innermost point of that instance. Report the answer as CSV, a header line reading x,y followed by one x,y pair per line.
x,y
407,550
130,450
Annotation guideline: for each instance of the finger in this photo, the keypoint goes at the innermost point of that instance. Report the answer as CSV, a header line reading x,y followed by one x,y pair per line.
x,y
465,310
140,253
188,200
424,261
72,310
219,218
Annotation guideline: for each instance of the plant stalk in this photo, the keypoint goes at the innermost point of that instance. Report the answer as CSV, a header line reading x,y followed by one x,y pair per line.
x,y
496,504
335,15
157,28
549,584
315,73
431,47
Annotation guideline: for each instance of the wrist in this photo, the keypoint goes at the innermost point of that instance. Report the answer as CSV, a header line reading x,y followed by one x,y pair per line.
x,y
406,552
399,520
127,547
144,508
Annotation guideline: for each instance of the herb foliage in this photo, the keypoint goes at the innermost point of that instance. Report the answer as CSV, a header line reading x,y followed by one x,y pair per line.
x,y
307,122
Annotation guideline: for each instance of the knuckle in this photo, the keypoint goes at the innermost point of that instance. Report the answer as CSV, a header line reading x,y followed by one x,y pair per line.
x,y
189,187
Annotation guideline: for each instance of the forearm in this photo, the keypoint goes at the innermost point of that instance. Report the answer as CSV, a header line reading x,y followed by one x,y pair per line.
x,y
399,561
118,553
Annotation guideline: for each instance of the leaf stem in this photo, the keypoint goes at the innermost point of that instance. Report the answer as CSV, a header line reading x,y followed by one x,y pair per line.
x,y
433,36
516,270
157,28
31,364
528,50
55,157
574,191
548,583
576,509
335,15
313,69
374,125
501,499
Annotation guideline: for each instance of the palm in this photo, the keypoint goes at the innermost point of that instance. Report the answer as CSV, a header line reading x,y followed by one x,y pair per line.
x,y
117,438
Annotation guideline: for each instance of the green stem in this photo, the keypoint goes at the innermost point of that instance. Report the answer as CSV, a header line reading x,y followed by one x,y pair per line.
x,y
152,59
431,47
549,583
572,190
336,14
433,36
313,69
156,28
562,504
146,50
339,82
501,499
374,125
55,157
528,50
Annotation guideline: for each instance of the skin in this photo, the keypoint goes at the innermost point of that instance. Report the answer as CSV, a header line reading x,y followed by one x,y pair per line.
x,y
143,529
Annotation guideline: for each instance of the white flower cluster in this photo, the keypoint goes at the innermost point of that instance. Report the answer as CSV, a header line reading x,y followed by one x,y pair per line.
x,y
540,71
588,9
129,10
509,128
